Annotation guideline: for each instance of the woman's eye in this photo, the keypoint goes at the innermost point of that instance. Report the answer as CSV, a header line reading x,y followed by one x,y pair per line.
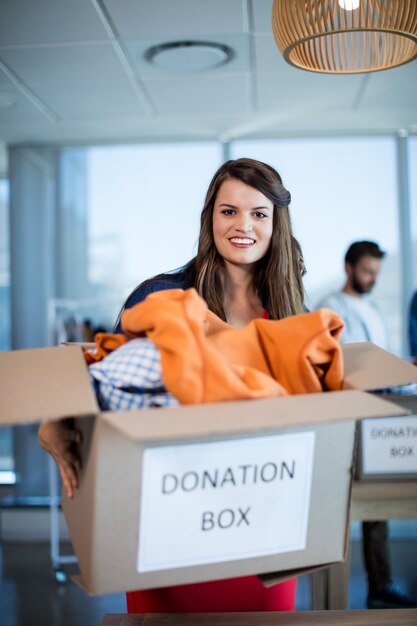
x,y
260,214
228,212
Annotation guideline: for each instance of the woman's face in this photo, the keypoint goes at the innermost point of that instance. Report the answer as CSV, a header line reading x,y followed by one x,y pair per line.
x,y
242,223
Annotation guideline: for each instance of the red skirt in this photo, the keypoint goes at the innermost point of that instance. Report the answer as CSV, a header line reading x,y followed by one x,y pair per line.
x,y
232,595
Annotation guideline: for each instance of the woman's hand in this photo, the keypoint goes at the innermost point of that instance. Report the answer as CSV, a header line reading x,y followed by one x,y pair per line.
x,y
61,440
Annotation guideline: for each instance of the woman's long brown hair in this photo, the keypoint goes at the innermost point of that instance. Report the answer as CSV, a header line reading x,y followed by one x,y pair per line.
x,y
278,276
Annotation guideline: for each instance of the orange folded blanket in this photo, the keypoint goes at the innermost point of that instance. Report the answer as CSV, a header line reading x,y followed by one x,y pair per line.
x,y
204,359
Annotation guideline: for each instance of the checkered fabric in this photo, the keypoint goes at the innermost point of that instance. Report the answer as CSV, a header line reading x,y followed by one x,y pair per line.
x,y
130,378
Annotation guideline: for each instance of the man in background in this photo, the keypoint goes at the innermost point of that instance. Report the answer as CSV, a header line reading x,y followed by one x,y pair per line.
x,y
362,318
364,322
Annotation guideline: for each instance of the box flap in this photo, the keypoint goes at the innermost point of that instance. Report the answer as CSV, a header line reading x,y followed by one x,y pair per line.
x,y
268,580
78,580
44,383
368,367
85,345
275,578
217,419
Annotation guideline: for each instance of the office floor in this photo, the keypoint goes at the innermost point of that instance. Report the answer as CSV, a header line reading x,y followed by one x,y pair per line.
x,y
30,596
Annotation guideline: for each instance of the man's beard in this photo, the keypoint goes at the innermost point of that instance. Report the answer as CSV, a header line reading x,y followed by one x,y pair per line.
x,y
359,288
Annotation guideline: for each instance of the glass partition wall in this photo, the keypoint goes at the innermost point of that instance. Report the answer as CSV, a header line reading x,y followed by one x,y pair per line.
x,y
121,214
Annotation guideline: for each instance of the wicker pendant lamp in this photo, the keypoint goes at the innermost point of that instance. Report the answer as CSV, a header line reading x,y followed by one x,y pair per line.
x,y
346,36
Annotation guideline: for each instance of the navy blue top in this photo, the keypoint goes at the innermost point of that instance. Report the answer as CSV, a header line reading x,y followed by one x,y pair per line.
x,y
176,280
179,279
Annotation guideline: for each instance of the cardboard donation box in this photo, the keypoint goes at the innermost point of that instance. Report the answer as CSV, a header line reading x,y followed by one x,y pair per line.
x,y
204,492
387,447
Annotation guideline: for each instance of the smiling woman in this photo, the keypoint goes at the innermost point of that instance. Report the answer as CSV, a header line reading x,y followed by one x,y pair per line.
x,y
248,260
248,265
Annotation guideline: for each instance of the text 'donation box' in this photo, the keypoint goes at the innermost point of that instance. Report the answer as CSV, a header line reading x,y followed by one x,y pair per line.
x,y
213,502
389,446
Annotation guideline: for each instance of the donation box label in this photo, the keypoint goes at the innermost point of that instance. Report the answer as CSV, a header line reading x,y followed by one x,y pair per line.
x,y
222,501
389,445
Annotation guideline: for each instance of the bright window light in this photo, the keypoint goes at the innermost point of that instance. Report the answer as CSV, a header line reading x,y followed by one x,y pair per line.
x,y
7,477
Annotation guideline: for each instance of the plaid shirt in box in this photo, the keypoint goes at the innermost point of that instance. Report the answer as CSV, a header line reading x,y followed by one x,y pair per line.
x,y
130,378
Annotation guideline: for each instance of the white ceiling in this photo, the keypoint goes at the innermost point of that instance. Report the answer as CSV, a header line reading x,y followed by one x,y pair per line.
x,y
74,71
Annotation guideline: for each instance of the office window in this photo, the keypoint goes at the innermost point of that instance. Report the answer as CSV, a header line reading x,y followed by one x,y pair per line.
x,y
144,209
342,190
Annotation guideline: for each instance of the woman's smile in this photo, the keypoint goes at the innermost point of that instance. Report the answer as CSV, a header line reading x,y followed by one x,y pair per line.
x,y
242,242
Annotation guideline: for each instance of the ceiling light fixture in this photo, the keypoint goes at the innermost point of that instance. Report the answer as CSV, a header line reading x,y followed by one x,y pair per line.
x,y
349,5
189,56
346,36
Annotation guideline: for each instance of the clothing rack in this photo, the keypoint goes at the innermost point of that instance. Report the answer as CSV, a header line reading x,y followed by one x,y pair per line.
x,y
79,320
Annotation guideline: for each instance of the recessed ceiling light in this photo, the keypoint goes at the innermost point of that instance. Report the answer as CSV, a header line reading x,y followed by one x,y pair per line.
x,y
189,56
